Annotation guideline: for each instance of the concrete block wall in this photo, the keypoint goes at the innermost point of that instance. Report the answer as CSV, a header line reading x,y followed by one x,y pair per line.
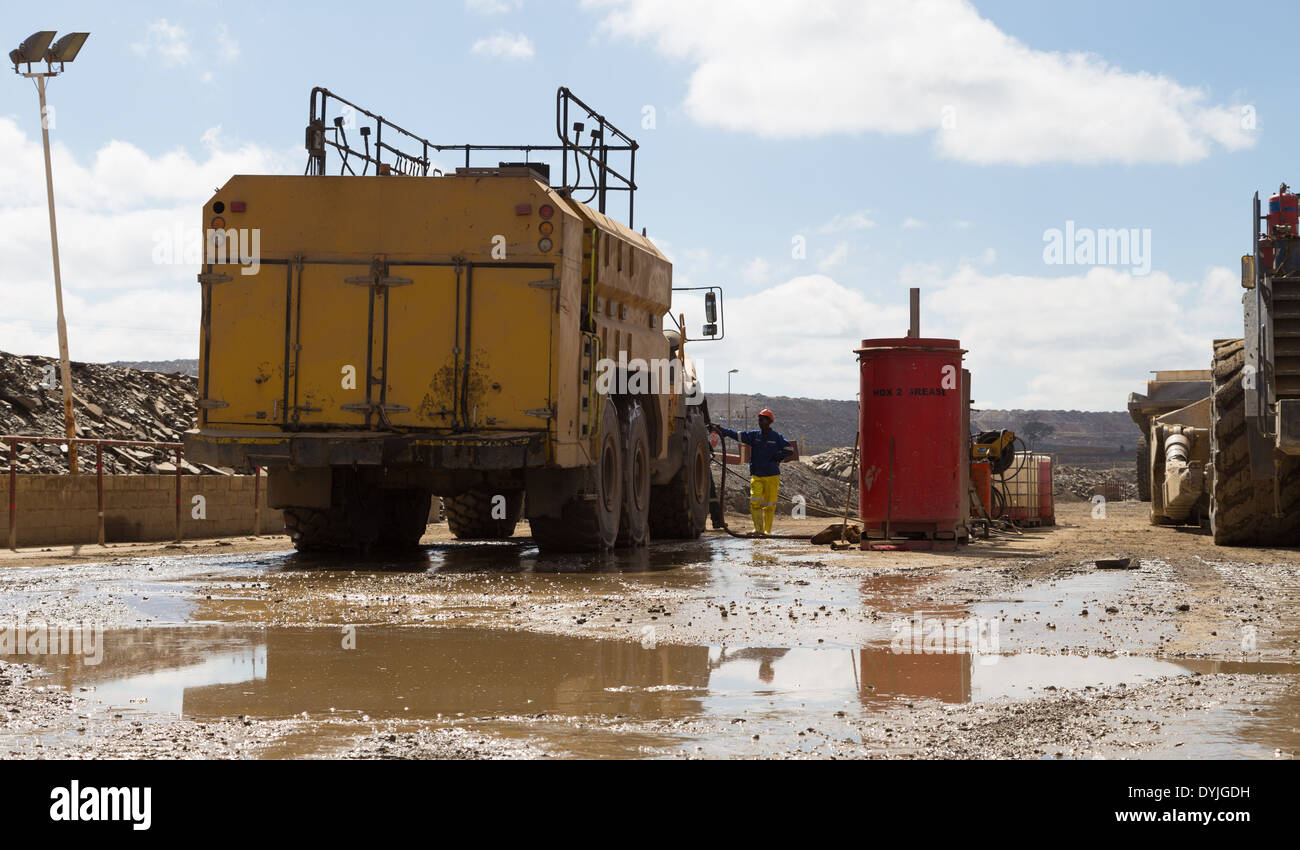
x,y
61,509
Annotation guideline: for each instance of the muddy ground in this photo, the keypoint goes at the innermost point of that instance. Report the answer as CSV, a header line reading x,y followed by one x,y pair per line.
x,y
721,647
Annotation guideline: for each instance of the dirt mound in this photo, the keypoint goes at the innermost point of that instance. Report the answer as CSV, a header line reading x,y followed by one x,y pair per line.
x,y
109,403
823,495
1083,483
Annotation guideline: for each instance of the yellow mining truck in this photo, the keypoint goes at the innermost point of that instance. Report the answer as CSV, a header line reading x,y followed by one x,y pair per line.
x,y
398,331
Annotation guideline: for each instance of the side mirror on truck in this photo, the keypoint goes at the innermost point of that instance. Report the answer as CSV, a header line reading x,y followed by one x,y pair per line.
x,y
714,327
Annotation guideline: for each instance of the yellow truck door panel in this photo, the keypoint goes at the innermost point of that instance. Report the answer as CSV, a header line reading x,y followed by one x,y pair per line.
x,y
245,323
509,314
331,333
422,364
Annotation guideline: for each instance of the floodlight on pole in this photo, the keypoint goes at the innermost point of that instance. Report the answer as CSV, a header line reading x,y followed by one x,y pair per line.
x,y
37,48
32,49
67,48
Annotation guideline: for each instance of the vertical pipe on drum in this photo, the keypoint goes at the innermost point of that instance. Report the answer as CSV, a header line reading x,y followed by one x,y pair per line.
x,y
889,505
99,488
13,494
257,501
178,494
914,307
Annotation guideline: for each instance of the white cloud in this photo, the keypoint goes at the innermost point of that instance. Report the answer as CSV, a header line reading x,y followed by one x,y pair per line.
x,y
504,45
835,258
227,47
860,220
168,43
796,338
1080,342
492,7
907,67
113,209
910,223
757,270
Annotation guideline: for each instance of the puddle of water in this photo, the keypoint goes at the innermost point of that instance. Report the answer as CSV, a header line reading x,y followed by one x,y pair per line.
x,y
518,556
413,674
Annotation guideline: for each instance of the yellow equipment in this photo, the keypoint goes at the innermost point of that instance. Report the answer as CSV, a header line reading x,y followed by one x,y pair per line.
x,y
997,447
376,338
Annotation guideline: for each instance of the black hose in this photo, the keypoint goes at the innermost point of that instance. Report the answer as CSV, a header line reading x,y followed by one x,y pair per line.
x,y
723,444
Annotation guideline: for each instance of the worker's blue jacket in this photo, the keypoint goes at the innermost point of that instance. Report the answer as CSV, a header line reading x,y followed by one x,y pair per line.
x,y
764,449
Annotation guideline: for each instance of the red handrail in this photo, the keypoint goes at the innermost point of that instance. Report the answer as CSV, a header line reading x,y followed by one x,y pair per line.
x,y
12,440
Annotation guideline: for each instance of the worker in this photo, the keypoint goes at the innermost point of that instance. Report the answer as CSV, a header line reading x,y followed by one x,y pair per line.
x,y
767,451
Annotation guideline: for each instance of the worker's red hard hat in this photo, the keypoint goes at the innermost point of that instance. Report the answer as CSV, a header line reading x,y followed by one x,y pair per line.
x,y
768,413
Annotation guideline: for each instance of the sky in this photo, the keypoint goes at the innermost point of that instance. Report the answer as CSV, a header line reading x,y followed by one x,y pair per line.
x,y
814,159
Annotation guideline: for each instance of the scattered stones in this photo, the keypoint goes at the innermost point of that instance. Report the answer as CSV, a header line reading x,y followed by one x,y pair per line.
x,y
109,402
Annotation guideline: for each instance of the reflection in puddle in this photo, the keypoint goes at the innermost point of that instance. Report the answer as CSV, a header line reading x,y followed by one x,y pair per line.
x,y
521,556
414,674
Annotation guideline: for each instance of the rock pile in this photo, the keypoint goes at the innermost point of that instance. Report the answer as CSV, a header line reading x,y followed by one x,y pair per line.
x,y
1082,483
1068,481
823,494
109,403
836,463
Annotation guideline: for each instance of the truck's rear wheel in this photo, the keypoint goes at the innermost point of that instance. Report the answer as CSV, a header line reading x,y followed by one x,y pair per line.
x,y
405,519
383,519
680,508
1143,469
1242,509
318,529
589,522
478,515
634,527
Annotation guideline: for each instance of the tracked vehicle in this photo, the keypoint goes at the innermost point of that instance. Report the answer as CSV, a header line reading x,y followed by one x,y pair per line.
x,y
1232,458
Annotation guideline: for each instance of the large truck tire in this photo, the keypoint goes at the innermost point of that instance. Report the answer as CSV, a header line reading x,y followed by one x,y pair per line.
x,y
590,522
469,515
634,526
679,509
405,519
1143,469
1242,510
318,529
373,520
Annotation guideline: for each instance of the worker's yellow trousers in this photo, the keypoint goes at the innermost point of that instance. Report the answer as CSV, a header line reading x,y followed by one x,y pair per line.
x,y
762,501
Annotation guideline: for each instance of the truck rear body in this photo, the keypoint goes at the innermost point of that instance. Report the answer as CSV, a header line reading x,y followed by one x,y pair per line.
x,y
413,321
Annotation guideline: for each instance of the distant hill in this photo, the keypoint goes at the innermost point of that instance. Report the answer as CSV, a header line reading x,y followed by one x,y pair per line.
x,y
1078,436
822,423
188,366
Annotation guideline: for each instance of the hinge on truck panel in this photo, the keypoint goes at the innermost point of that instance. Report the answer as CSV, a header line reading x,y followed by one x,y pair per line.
x,y
363,407
213,277
541,412
549,283
212,403
370,280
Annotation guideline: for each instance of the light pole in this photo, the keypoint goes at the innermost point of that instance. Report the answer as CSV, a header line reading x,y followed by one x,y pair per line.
x,y
37,48
729,374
